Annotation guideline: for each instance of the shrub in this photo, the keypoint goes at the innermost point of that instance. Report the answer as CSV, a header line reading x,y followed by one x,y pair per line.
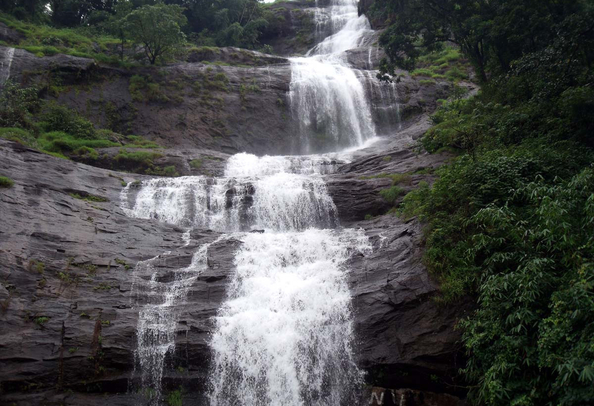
x,y
391,194
60,118
6,182
17,104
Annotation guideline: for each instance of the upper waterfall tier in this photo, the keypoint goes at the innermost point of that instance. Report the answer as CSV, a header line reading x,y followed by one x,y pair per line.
x,y
341,19
328,98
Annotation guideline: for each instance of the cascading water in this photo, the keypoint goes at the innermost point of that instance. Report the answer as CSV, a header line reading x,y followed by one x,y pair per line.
x,y
327,96
5,65
284,335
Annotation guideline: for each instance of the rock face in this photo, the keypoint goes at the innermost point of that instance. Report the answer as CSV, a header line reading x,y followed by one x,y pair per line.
x,y
67,268
222,99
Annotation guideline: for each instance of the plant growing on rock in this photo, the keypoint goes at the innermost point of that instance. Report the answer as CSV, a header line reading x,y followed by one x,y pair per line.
x,y
6,182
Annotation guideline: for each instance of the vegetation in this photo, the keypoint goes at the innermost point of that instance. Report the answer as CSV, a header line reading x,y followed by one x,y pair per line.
x,y
6,182
62,132
157,28
509,221
104,30
175,398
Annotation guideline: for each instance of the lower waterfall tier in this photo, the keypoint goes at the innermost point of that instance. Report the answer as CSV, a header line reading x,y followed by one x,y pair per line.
x,y
284,336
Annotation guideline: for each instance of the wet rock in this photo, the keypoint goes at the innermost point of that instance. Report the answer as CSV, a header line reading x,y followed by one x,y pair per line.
x,y
9,35
67,266
377,396
233,56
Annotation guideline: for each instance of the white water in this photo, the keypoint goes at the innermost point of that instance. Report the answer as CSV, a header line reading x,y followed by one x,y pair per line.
x,y
159,291
284,335
5,65
326,95
272,193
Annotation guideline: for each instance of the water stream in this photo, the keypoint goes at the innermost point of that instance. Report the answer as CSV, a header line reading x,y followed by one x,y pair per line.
x,y
284,334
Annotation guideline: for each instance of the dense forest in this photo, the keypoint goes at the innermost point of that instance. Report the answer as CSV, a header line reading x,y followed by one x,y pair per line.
x,y
508,223
511,220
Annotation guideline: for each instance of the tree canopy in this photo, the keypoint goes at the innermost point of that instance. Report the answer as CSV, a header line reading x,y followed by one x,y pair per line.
x,y
157,28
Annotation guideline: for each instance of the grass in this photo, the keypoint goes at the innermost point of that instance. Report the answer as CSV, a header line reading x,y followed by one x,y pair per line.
x,y
449,63
19,135
6,182
43,40
61,142
89,197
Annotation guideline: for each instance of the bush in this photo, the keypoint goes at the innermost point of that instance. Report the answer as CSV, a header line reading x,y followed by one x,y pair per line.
x,y
391,194
6,182
17,104
60,118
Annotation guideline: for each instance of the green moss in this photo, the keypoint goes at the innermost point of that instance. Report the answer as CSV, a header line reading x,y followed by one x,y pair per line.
x,y
6,182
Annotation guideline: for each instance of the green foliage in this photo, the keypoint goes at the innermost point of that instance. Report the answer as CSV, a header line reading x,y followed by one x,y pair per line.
x,y
43,39
490,34
175,398
89,197
157,29
391,194
41,320
196,163
61,118
509,221
6,182
18,135
17,104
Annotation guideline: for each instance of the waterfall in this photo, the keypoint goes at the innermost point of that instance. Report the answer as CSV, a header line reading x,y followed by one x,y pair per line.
x,y
326,95
5,65
159,291
284,334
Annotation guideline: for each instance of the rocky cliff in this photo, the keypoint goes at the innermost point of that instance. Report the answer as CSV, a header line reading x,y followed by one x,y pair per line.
x,y
68,251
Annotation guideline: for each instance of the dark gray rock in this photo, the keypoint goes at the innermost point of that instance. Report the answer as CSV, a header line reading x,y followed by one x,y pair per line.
x,y
9,35
233,56
66,271
406,339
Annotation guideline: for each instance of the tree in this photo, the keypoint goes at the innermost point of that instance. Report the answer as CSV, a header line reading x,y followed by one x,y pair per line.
x,y
491,33
157,28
